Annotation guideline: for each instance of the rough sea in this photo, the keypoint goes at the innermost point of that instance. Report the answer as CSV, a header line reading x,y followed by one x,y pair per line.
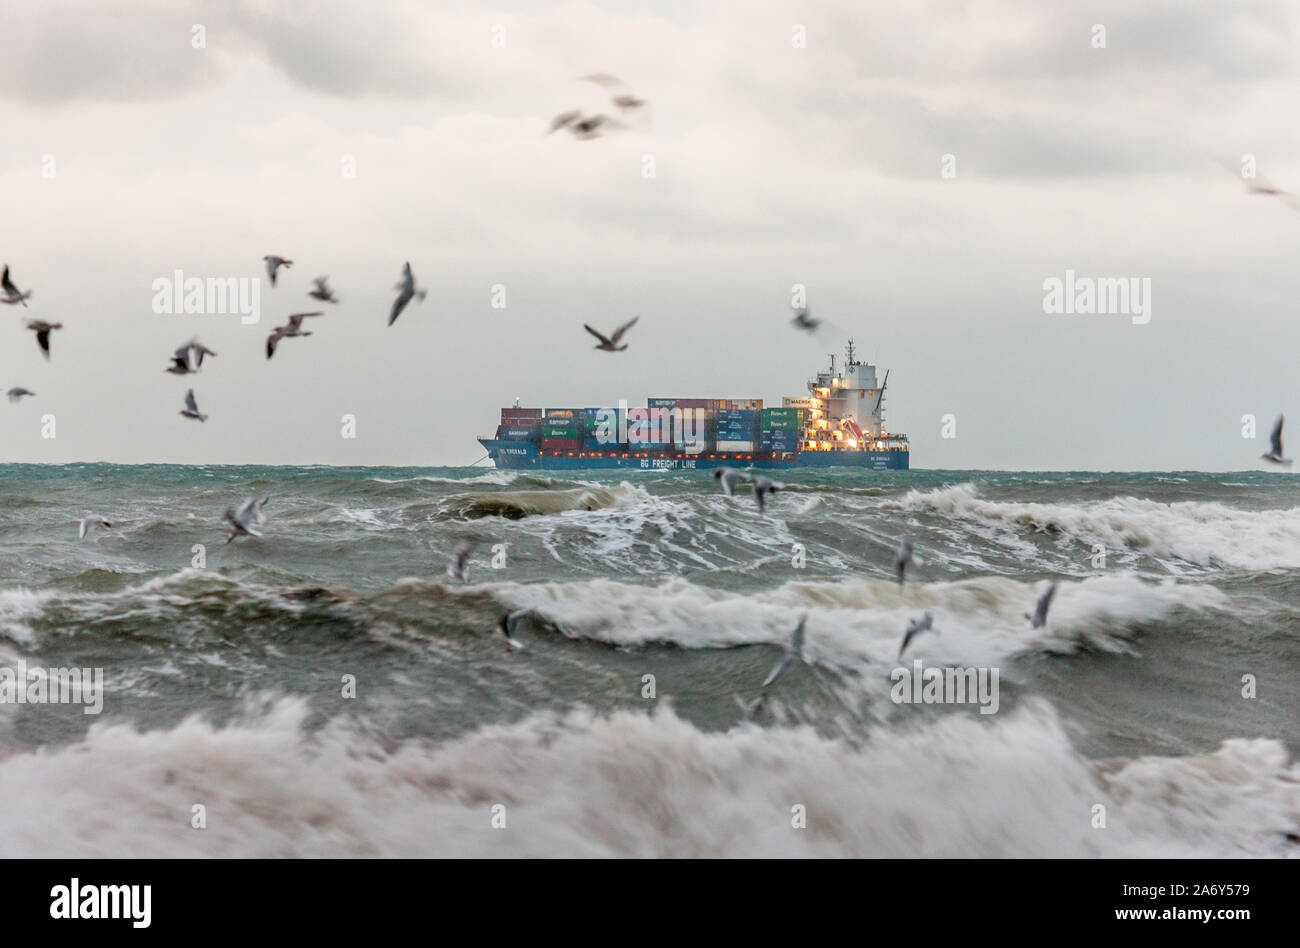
x,y
328,690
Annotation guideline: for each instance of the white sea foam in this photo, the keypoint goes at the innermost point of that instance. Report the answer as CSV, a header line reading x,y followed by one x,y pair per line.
x,y
636,785
16,607
1204,533
861,620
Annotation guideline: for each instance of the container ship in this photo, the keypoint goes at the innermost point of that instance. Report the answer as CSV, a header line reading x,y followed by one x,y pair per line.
x,y
839,423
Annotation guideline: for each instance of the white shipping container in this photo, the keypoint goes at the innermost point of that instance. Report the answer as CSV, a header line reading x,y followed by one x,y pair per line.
x,y
743,447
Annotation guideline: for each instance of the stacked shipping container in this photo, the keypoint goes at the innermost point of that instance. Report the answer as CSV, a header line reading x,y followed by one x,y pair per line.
x,y
778,429
690,425
562,429
737,429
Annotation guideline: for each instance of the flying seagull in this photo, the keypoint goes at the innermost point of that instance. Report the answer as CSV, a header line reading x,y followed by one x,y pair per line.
x,y
728,476
793,650
294,328
188,358
1258,186
11,293
1275,445
42,329
16,394
458,568
89,522
914,628
273,264
610,343
803,320
604,79
191,409
762,487
406,289
246,518
1039,618
507,624
323,291
903,558
1262,187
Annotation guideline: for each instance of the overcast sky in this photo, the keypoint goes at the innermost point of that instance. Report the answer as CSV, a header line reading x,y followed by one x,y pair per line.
x,y
773,165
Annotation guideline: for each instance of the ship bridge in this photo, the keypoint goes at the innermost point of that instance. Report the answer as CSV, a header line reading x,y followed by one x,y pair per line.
x,y
846,407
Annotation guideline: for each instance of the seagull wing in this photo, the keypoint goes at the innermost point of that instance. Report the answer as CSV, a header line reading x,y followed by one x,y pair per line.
x,y
564,119
399,304
190,403
605,340
618,333
7,283
797,637
1044,603
43,340
778,671
907,637
1275,439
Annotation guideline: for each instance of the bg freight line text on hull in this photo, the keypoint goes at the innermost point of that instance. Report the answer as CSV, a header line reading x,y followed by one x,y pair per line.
x,y
840,423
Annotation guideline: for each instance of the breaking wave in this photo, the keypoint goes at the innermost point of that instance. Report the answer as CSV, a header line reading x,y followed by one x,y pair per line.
x,y
636,785
1207,534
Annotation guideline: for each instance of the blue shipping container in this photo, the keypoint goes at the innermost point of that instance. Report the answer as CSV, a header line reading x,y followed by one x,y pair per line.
x,y
520,434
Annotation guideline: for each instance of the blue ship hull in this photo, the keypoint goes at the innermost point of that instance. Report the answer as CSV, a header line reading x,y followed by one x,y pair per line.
x,y
524,455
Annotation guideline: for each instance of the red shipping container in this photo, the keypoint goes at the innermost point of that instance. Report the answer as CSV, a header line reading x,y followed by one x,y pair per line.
x,y
561,444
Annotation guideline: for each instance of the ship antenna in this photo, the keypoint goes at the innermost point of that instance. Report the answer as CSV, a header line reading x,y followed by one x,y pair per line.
x,y
849,353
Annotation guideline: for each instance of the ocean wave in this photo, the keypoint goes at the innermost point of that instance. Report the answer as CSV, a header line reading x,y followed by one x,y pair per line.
x,y
1207,534
17,606
851,622
635,785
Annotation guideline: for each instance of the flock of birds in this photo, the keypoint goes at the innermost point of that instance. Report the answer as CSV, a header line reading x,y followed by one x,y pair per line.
x,y
249,515
598,123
